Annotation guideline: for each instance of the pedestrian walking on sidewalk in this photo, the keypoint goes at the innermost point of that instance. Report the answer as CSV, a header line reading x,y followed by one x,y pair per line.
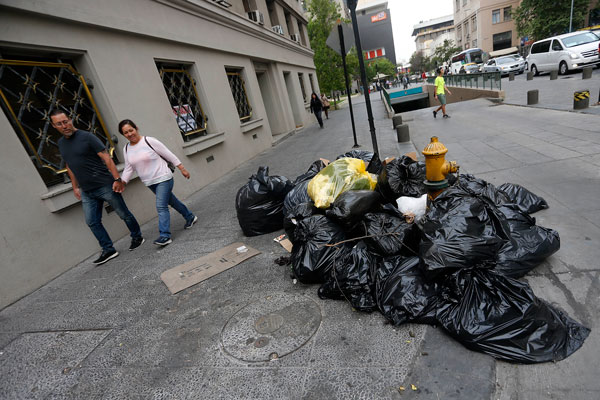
x,y
150,159
440,93
325,102
316,107
94,178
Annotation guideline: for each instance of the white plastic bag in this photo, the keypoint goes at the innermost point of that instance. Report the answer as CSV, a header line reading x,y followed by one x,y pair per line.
x,y
413,206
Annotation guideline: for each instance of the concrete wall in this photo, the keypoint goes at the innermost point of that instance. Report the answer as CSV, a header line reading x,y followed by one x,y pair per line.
x,y
116,45
463,94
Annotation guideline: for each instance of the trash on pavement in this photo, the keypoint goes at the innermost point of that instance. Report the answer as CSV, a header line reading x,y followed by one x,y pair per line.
x,y
454,264
200,269
338,177
259,203
311,258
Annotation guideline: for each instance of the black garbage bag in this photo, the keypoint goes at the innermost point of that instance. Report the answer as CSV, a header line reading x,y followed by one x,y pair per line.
x,y
527,201
350,279
313,170
402,177
501,316
481,188
529,245
311,258
403,293
372,159
298,213
259,203
389,234
349,207
298,195
461,230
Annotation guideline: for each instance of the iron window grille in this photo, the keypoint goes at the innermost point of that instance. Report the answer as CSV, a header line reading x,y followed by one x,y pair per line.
x,y
185,103
301,79
312,83
29,92
238,90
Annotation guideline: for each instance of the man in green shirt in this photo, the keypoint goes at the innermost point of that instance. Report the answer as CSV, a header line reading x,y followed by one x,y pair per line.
x,y
440,93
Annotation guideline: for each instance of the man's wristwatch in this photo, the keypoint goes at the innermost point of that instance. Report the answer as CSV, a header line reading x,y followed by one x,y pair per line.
x,y
118,179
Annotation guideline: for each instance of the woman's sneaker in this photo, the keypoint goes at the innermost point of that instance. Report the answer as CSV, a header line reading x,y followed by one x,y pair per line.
x,y
190,222
163,241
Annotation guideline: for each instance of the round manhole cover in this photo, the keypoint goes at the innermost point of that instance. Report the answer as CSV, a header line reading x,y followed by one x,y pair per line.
x,y
271,327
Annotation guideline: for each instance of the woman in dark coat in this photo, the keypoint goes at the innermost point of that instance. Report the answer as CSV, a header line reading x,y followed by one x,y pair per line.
x,y
316,107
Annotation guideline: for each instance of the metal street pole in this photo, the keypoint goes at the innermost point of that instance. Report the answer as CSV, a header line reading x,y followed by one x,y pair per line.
x,y
343,48
571,18
363,74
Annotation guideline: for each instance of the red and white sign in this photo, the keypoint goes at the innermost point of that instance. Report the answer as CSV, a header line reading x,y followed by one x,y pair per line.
x,y
185,118
370,54
379,16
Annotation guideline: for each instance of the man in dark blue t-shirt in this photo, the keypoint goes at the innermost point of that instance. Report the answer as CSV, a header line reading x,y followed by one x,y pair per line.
x,y
93,176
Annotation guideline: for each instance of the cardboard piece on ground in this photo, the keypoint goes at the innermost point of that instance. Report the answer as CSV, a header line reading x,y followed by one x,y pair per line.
x,y
185,275
412,155
284,242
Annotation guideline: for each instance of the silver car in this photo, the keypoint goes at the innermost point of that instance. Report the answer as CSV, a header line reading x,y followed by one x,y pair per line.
x,y
505,65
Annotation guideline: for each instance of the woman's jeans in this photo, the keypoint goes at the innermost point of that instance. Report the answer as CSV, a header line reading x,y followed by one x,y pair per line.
x,y
92,201
164,199
319,118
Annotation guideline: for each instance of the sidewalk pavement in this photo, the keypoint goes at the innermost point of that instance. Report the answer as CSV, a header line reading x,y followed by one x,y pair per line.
x,y
556,94
115,331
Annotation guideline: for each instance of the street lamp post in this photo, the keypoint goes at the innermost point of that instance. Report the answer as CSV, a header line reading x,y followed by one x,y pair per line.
x,y
571,18
363,75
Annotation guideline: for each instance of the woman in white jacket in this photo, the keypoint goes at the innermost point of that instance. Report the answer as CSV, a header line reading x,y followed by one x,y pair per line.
x,y
150,159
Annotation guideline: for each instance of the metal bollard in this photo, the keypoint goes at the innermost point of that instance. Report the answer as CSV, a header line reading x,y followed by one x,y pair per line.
x,y
581,100
587,73
402,133
553,75
532,97
530,76
397,120
511,76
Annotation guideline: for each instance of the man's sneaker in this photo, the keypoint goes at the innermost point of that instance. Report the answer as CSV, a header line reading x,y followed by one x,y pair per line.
x,y
190,222
446,116
105,256
434,114
136,242
162,241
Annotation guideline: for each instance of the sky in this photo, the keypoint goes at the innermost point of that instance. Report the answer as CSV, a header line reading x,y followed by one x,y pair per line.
x,y
406,14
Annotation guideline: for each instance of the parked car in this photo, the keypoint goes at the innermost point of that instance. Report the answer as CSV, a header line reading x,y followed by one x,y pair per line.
x,y
564,52
504,65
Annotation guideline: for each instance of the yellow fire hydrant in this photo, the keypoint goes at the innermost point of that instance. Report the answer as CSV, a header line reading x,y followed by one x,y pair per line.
x,y
436,167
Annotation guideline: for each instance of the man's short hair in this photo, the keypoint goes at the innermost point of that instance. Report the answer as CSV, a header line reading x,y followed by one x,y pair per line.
x,y
58,111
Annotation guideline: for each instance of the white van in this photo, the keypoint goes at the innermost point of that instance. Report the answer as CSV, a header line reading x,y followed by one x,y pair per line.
x,y
564,52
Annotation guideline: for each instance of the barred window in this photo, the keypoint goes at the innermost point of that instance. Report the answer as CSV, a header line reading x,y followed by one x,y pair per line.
x,y
183,97
302,89
29,91
238,91
312,83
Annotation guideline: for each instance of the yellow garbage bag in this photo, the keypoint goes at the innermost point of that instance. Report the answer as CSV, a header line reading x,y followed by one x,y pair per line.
x,y
338,177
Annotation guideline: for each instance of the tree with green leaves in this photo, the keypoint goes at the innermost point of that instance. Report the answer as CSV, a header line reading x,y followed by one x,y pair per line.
x,y
381,65
419,62
443,53
540,19
323,19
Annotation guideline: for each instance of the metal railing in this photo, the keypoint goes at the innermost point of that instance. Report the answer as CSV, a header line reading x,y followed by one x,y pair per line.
x,y
486,80
29,92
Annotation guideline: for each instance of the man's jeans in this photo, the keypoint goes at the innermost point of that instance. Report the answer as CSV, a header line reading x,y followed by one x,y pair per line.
x,y
93,200
164,199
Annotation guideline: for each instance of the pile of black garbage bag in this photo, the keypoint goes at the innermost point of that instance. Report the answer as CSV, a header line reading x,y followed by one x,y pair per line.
x,y
458,267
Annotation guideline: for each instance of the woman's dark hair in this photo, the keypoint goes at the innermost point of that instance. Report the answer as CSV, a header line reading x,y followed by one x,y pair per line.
x,y
126,122
316,95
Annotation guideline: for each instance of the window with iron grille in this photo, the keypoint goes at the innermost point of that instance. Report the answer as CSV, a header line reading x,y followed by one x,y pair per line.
x,y
312,83
238,91
29,91
302,89
183,97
